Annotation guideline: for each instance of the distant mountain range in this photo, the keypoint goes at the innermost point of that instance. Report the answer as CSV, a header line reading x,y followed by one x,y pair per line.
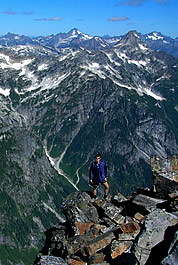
x,y
74,38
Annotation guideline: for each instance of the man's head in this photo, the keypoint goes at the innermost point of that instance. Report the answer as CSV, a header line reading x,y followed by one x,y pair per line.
x,y
98,158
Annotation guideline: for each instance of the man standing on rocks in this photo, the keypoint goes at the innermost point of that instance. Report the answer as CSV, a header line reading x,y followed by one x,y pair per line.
x,y
98,174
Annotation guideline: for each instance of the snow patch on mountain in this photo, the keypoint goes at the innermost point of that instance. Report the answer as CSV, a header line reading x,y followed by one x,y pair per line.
x,y
62,58
42,67
94,68
155,36
136,35
142,47
47,83
7,62
5,92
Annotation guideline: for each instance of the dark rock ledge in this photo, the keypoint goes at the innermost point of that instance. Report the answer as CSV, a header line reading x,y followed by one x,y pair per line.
x,y
141,229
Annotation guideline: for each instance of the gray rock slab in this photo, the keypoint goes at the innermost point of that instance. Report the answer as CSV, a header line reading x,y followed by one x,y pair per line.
x,y
113,212
50,260
155,225
147,202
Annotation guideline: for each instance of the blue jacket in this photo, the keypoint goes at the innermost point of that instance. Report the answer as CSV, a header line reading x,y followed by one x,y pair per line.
x,y
98,172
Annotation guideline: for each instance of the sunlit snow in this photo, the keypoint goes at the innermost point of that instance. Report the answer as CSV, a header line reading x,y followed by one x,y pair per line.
x,y
47,83
142,47
95,68
8,63
138,63
111,60
136,35
5,92
153,95
42,67
155,36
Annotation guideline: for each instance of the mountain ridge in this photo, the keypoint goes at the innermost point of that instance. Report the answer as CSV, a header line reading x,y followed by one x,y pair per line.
x,y
75,38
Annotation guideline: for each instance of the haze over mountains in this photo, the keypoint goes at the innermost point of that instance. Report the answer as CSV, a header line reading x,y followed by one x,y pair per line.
x,y
62,99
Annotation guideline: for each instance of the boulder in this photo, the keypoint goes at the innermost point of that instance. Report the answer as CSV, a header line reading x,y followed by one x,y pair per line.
x,y
153,233
75,243
77,211
146,203
46,260
119,247
82,228
119,199
112,212
96,230
139,217
76,261
165,175
130,227
101,242
97,258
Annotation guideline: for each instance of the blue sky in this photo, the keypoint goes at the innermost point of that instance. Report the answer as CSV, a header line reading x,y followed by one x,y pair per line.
x,y
93,17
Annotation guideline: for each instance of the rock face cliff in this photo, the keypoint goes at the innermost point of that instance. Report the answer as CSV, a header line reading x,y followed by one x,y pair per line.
x,y
140,229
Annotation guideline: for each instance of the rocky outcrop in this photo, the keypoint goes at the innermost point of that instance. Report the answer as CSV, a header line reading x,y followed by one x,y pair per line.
x,y
140,229
165,174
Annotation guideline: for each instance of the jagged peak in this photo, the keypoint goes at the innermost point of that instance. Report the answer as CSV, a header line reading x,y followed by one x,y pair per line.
x,y
132,34
131,38
131,41
76,32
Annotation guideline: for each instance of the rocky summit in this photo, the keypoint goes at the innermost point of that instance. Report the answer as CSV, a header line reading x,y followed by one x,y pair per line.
x,y
139,229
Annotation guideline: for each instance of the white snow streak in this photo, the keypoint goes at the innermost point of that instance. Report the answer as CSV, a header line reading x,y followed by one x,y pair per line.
x,y
138,63
55,163
153,95
54,212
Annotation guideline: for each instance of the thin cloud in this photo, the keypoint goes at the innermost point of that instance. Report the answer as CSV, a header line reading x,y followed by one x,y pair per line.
x,y
10,12
49,19
136,2
131,23
162,1
27,13
80,19
131,3
116,19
